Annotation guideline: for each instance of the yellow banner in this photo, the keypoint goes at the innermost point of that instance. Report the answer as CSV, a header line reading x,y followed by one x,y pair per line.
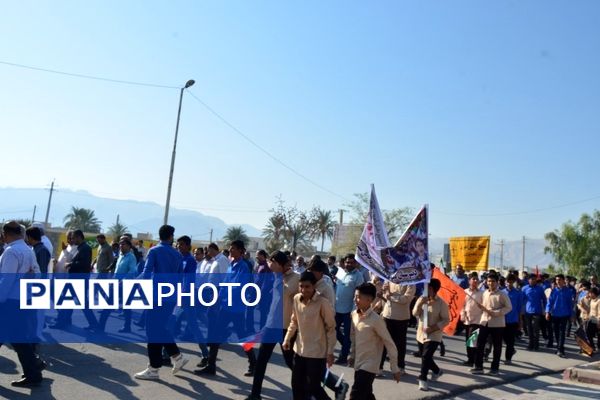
x,y
472,252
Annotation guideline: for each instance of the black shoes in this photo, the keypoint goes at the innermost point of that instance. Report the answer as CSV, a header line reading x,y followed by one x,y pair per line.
x,y
26,382
203,363
208,370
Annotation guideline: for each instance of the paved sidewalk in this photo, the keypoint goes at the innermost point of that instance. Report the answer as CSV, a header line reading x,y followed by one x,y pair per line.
x,y
546,387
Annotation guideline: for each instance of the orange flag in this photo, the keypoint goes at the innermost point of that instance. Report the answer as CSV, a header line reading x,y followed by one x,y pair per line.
x,y
454,296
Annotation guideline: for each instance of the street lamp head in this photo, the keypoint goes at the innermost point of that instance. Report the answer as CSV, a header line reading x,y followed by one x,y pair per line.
x,y
189,83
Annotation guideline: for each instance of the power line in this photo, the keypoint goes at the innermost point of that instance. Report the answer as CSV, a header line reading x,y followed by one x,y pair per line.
x,y
84,76
265,151
210,109
536,210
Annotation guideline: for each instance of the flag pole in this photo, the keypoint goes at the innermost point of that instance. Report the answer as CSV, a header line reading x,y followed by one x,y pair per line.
x,y
426,285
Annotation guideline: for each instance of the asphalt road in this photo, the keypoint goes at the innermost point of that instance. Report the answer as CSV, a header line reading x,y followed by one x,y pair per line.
x,y
86,371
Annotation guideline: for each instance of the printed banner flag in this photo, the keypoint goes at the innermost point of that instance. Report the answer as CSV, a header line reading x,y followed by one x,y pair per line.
x,y
472,252
405,263
454,296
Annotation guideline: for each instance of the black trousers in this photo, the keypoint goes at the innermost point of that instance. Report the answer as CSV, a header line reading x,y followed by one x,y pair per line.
x,y
533,323
591,330
471,351
509,336
19,328
362,389
307,375
559,326
397,329
264,355
496,334
157,321
427,362
218,322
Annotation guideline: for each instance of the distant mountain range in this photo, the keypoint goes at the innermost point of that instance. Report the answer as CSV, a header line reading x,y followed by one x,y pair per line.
x,y
138,216
146,217
512,254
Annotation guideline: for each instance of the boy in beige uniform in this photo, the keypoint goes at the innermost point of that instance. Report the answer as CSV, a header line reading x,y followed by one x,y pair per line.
x,y
470,315
430,336
593,317
313,319
495,306
396,314
369,335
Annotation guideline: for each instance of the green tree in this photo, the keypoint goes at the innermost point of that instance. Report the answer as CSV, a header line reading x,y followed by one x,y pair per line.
x,y
25,222
273,233
82,218
236,233
396,220
294,227
576,246
323,225
117,229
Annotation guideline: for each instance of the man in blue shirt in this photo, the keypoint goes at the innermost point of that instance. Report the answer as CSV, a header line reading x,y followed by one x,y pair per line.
x,y
460,278
220,317
559,310
162,259
513,317
535,302
188,312
347,282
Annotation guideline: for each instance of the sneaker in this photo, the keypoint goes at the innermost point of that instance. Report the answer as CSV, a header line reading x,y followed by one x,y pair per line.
x,y
561,354
476,371
417,354
493,372
435,377
423,385
508,362
342,391
178,362
467,363
149,374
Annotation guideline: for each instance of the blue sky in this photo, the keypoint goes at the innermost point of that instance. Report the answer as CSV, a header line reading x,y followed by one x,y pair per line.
x,y
478,109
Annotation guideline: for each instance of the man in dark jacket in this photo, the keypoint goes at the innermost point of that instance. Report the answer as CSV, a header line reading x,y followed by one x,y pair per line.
x,y
79,267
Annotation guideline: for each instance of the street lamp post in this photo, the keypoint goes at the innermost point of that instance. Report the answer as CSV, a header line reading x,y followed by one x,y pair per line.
x,y
187,85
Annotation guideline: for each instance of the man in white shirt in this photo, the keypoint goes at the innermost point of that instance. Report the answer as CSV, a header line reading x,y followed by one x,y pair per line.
x,y
18,258
217,263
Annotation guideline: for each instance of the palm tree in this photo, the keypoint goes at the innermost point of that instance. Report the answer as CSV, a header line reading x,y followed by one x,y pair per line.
x,y
24,221
323,225
117,230
82,218
236,233
274,232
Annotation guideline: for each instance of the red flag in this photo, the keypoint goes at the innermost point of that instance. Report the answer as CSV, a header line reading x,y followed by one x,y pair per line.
x,y
454,296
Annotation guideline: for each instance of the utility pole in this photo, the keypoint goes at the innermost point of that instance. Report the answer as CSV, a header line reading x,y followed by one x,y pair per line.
x,y
341,216
33,217
211,232
49,202
502,255
523,260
